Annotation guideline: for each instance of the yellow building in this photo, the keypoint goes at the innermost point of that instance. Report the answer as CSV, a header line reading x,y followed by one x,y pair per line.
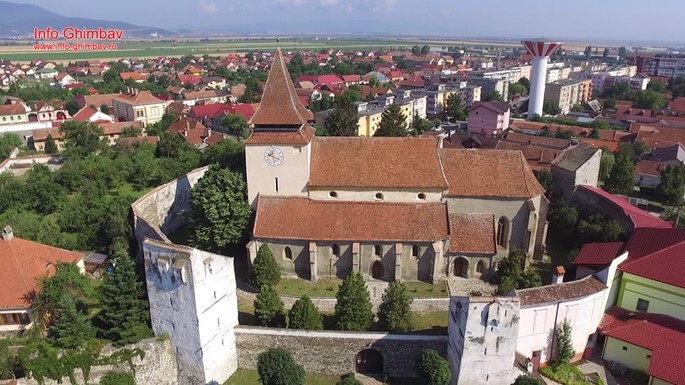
x,y
138,106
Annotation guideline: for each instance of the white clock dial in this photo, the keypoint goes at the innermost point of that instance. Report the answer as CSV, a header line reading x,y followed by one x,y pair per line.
x,y
273,156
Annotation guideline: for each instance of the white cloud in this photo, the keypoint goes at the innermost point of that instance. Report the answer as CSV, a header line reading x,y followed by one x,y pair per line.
x,y
381,5
208,8
329,2
295,3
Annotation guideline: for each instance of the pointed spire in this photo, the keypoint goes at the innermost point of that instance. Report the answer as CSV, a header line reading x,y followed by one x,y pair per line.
x,y
280,105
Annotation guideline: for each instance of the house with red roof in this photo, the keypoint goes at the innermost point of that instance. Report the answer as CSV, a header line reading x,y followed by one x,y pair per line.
x,y
22,262
194,132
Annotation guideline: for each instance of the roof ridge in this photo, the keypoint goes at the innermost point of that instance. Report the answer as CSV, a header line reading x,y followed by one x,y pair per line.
x,y
630,262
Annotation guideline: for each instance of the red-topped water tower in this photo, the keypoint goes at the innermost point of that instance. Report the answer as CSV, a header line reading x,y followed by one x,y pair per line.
x,y
540,49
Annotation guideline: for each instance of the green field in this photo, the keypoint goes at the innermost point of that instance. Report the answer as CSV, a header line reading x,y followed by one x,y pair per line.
x,y
147,49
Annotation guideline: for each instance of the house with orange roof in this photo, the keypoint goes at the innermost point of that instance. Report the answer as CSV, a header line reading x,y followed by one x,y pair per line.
x,y
138,105
391,209
194,132
23,263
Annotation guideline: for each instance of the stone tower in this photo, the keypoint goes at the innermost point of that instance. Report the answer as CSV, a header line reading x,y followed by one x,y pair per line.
x,y
278,151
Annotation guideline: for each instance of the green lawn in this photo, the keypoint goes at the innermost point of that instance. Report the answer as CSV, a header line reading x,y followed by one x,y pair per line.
x,y
250,377
427,290
328,288
128,190
434,322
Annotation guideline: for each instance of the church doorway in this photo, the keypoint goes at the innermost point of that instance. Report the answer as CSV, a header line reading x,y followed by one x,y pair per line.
x,y
377,270
369,361
461,267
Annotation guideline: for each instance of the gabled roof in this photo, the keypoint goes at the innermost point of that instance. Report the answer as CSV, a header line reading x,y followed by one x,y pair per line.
x,y
472,234
84,114
497,107
330,220
489,173
638,217
574,157
541,141
662,334
21,263
645,241
666,265
393,163
12,109
280,105
560,292
599,254
138,99
648,167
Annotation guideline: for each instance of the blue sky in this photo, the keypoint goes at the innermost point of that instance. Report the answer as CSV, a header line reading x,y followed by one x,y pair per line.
x,y
625,20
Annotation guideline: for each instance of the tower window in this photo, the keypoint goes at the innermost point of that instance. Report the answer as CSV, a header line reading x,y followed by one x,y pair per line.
x,y
276,184
421,196
335,250
171,302
332,194
379,196
288,253
297,149
415,251
378,250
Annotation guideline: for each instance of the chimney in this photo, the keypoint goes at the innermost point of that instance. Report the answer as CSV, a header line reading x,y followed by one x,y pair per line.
x,y
558,276
7,234
185,132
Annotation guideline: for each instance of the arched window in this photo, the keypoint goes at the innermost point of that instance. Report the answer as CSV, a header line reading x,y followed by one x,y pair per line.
x,y
415,251
335,250
502,231
378,250
379,196
288,253
332,194
480,268
421,196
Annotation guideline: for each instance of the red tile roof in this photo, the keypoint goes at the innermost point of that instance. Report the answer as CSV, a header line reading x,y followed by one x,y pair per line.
x,y
12,109
41,134
649,167
302,136
662,334
560,292
280,104
22,263
540,141
599,254
138,99
84,114
489,173
645,241
189,79
328,79
393,163
639,218
472,234
330,220
666,265
194,132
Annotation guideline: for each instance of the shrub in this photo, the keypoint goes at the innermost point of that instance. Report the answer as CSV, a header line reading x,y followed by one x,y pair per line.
x,y
117,378
527,380
265,269
394,313
433,368
276,367
268,307
304,315
353,309
348,379
563,351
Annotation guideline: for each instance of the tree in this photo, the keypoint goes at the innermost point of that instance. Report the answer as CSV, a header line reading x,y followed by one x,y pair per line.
x,y
672,185
66,282
374,82
265,269
124,309
594,134
104,109
8,142
228,153
656,86
454,109
117,378
425,50
393,122
50,146
416,50
46,197
72,107
517,88
71,329
394,313
348,379
82,138
551,108
343,120
494,96
563,348
304,315
433,368
609,103
235,123
649,99
527,380
219,212
621,179
268,307
277,367
622,51
524,82
353,309
131,132
577,108
606,53
606,163
512,276
420,125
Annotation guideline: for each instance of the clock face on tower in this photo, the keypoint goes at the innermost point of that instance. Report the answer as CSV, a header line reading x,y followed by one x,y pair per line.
x,y
273,156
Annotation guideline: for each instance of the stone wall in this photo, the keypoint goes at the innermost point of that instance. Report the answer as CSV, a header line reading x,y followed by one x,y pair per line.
x,y
331,352
157,367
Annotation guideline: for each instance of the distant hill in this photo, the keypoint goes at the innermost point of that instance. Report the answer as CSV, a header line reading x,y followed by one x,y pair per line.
x,y
18,20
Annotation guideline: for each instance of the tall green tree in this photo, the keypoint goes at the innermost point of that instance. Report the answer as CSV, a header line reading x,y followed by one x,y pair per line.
x,y
268,307
606,163
72,107
550,108
304,315
527,380
71,329
621,179
343,121
517,88
454,108
416,50
511,273
434,369
66,282
8,142
394,313
219,212
393,122
524,82
672,185
425,49
495,96
265,269
353,309
46,196
50,146
124,308
277,367
82,138
235,123
563,346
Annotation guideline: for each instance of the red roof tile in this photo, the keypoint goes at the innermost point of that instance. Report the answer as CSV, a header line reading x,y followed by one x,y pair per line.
x,y
84,114
393,163
599,254
472,234
649,167
22,263
138,99
662,334
560,292
666,265
302,136
330,220
639,218
645,241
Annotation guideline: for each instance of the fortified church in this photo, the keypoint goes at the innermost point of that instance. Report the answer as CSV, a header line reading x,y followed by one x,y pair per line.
x,y
390,208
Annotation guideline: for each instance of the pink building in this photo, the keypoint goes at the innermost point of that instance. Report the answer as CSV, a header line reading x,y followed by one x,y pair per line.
x,y
488,118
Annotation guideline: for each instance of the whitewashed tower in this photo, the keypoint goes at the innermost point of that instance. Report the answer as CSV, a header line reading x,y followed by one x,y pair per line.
x,y
541,50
